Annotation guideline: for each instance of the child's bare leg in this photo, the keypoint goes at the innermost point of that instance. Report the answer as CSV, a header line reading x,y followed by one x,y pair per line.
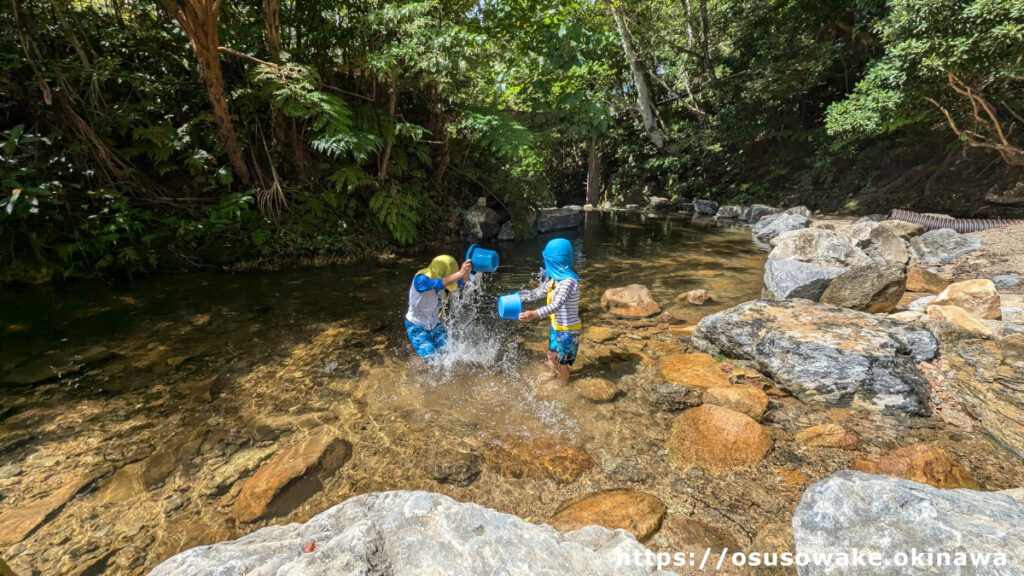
x,y
553,363
563,373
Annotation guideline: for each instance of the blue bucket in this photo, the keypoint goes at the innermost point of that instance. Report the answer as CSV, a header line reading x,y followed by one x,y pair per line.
x,y
509,306
484,260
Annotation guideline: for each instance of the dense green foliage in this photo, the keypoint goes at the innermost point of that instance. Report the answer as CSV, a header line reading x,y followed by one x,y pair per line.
x,y
129,142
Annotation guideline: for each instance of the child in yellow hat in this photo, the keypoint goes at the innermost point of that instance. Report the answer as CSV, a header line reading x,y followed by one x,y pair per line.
x,y
427,295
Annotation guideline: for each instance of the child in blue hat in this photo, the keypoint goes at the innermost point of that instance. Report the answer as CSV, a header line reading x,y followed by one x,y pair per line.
x,y
561,285
427,296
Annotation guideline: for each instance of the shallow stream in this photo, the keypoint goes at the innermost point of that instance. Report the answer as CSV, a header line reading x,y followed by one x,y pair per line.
x,y
156,401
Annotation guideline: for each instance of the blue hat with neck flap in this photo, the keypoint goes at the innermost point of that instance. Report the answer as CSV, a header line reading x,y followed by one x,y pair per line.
x,y
558,260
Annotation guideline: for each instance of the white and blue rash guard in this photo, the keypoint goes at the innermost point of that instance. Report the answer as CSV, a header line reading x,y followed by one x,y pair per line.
x,y
426,298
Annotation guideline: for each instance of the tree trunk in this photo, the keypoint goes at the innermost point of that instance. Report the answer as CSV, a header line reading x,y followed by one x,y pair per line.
x,y
703,39
272,13
644,102
198,19
593,175
392,105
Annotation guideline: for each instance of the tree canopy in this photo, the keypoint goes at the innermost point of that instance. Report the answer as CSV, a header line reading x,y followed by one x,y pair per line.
x,y
199,132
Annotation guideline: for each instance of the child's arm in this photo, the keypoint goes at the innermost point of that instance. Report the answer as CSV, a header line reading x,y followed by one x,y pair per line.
x,y
558,299
458,277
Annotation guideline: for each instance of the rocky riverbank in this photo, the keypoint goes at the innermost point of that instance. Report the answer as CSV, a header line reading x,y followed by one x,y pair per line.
x,y
687,426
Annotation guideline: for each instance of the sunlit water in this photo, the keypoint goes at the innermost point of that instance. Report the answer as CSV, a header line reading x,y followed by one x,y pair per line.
x,y
258,361
491,373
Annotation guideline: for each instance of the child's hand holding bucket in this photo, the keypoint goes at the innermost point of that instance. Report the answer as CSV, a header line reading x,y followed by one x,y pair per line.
x,y
529,316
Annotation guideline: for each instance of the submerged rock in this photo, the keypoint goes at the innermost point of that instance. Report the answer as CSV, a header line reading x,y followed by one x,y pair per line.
x,y
456,467
873,287
51,367
827,436
558,219
537,457
596,389
787,279
826,354
638,513
896,518
921,463
310,459
694,371
407,532
942,246
671,397
21,521
749,400
633,301
716,438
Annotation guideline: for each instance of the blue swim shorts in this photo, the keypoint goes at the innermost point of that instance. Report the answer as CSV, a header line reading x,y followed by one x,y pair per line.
x,y
565,344
426,342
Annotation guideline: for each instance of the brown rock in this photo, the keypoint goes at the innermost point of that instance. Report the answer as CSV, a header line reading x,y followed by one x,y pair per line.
x,y
599,334
775,538
876,286
638,513
697,371
926,281
18,523
905,230
988,374
139,477
596,389
675,315
960,317
696,297
633,301
749,400
827,436
682,331
979,297
716,438
303,467
921,463
537,457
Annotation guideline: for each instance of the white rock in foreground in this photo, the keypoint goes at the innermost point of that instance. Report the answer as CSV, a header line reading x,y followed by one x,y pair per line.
x,y
907,525
407,532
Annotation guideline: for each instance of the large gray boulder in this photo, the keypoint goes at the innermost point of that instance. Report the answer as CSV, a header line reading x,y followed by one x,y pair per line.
x,y
728,212
705,207
480,223
413,532
905,526
771,226
826,354
942,246
887,245
755,212
817,246
873,287
793,279
555,219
